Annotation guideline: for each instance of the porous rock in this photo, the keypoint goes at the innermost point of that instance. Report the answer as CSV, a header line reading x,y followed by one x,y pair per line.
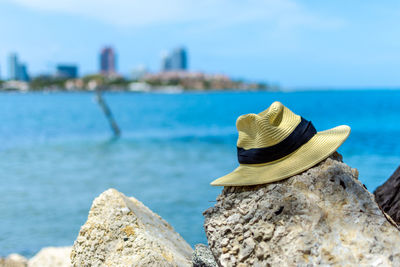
x,y
323,216
388,196
14,260
51,257
202,257
121,231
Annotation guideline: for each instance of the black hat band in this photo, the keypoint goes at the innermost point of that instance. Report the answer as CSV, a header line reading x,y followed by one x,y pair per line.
x,y
300,135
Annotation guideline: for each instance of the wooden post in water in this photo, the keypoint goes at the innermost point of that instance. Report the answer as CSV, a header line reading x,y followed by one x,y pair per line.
x,y
108,113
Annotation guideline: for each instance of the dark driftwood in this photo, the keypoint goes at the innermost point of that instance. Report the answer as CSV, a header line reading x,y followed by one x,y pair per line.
x,y
107,112
388,196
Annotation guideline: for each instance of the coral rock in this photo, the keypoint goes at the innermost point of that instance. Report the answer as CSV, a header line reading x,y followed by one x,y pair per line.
x,y
52,256
323,216
202,257
121,231
14,260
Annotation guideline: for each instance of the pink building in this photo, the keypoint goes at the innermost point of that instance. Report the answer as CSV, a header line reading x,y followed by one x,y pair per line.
x,y
108,61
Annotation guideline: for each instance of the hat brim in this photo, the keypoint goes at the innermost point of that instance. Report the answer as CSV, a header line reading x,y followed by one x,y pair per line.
x,y
318,148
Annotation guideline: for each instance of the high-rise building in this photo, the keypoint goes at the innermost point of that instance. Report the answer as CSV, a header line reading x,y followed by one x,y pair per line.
x,y
165,62
107,61
23,73
13,66
179,59
17,70
175,61
67,71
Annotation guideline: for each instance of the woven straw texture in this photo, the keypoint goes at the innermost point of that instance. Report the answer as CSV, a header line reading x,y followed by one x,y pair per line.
x,y
269,128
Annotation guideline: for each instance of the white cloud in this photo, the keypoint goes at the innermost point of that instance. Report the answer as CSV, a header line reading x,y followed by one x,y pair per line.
x,y
134,13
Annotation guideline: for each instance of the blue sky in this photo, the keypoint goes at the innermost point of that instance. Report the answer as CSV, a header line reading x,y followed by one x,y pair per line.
x,y
293,43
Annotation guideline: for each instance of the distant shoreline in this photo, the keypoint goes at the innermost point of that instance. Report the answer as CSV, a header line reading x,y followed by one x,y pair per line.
x,y
160,90
165,81
184,91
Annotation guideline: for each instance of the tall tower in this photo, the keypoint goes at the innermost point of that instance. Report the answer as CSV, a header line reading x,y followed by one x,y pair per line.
x,y
13,67
175,61
179,59
107,61
165,61
23,73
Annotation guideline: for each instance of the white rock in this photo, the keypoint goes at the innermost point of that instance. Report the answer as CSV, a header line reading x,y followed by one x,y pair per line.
x,y
14,260
323,216
51,257
113,237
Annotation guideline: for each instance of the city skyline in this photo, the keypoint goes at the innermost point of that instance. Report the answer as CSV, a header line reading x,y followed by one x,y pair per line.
x,y
294,43
107,65
174,60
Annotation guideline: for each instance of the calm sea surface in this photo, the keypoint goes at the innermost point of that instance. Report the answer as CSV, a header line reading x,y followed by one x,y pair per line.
x,y
57,154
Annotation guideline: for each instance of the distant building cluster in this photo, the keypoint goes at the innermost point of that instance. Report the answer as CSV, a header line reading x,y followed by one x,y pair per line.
x,y
175,60
18,71
197,81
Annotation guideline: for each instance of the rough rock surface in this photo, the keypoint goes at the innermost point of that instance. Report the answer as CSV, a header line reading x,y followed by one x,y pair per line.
x,y
52,257
388,196
121,231
323,216
202,257
14,260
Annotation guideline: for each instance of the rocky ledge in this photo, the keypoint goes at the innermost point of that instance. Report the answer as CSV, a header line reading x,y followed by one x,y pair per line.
x,y
323,216
121,231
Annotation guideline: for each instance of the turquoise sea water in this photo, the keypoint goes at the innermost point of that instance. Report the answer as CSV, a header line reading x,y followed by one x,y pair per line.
x,y
57,154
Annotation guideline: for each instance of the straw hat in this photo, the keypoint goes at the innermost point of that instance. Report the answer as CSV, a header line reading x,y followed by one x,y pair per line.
x,y
276,144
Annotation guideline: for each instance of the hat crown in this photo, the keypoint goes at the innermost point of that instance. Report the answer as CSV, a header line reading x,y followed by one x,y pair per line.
x,y
267,128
